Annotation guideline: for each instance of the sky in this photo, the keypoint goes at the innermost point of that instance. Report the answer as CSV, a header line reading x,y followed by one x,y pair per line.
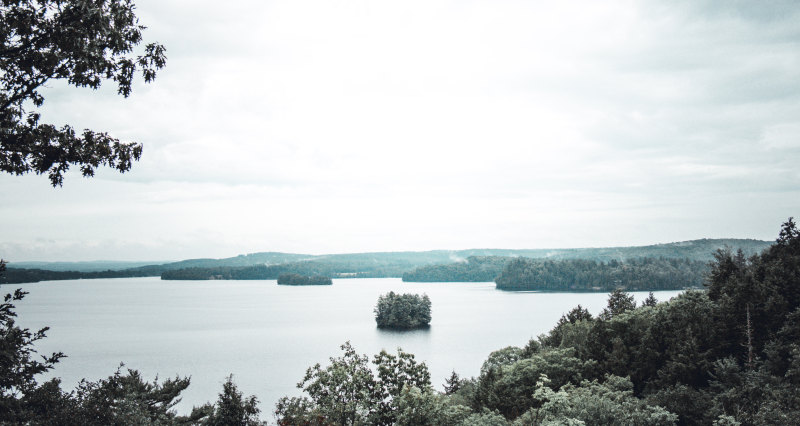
x,y
337,126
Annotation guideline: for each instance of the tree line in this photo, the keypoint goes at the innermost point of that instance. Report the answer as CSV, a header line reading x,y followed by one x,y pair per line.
x,y
297,279
22,275
588,275
272,272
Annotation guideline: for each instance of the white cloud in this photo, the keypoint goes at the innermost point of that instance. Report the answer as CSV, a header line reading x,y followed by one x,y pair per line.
x,y
331,126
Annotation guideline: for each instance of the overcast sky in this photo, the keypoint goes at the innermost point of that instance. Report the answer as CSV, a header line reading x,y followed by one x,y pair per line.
x,y
346,126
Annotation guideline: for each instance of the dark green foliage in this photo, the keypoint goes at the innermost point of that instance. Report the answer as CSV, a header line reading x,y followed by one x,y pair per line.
x,y
394,373
698,355
690,404
19,362
753,396
17,275
590,275
403,311
338,269
452,384
258,272
618,302
671,344
231,409
485,418
765,286
692,360
474,269
417,406
296,279
299,411
554,338
83,44
125,399
121,399
610,402
509,386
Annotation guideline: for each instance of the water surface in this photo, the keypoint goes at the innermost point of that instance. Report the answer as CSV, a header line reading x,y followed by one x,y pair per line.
x,y
266,335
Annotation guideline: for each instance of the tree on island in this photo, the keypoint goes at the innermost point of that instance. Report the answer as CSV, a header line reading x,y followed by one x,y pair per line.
x,y
84,44
403,311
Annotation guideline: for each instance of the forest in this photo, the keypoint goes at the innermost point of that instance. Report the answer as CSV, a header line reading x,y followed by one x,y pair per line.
x,y
474,269
728,355
297,279
271,272
589,275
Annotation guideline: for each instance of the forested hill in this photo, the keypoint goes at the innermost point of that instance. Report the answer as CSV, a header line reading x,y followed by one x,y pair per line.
x,y
703,250
379,264
588,275
474,269
487,268
271,272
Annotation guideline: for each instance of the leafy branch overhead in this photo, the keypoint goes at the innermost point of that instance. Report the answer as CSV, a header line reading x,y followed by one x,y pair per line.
x,y
80,41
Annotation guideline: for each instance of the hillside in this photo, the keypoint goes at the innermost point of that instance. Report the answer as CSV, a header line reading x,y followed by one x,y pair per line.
x,y
488,267
377,264
644,273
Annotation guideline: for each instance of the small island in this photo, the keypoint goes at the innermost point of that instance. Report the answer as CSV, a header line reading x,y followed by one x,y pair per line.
x,y
403,311
297,279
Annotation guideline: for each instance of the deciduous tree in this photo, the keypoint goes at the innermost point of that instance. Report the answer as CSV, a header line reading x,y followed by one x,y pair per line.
x,y
81,42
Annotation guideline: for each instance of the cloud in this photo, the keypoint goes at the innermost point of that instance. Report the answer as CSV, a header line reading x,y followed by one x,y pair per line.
x,y
320,126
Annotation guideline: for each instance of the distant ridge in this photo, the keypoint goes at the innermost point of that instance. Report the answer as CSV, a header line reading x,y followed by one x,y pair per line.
x,y
105,265
84,266
375,264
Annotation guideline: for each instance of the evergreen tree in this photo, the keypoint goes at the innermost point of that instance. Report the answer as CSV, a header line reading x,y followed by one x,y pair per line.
x,y
619,301
232,409
19,363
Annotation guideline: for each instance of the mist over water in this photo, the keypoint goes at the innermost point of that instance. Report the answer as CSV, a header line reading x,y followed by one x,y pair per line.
x,y
267,335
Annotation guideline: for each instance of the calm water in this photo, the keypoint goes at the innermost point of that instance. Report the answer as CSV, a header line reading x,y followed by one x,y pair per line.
x,y
267,335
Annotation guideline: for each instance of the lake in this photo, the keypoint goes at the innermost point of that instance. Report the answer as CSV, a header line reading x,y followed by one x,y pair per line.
x,y
267,335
